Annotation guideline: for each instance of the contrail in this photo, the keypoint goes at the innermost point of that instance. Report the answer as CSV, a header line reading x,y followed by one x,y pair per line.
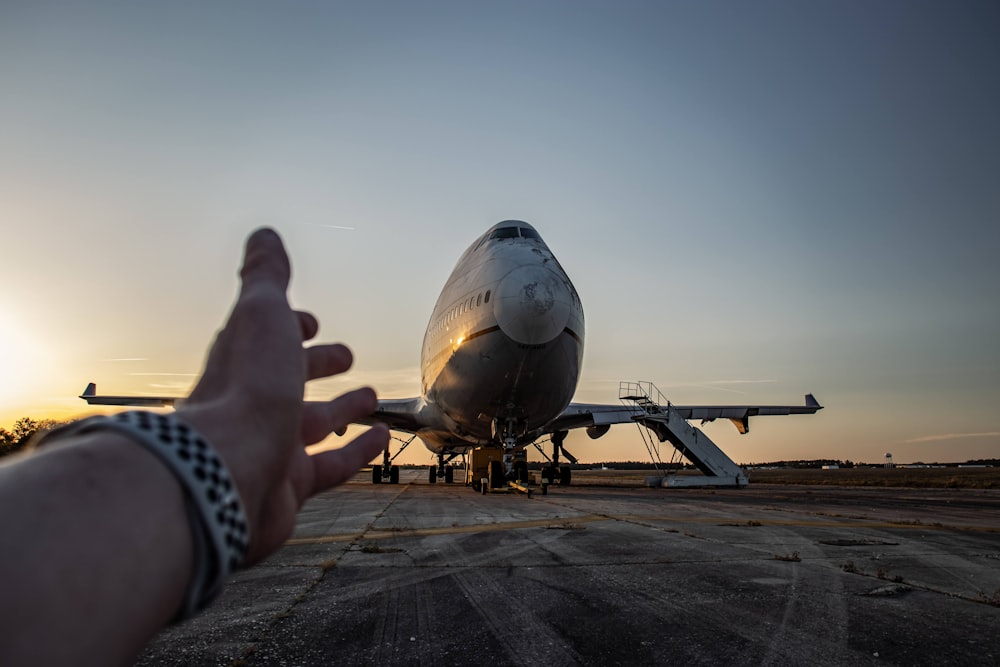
x,y
316,224
741,381
949,436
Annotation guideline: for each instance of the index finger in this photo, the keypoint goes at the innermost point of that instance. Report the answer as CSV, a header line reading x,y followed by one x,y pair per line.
x,y
336,466
265,260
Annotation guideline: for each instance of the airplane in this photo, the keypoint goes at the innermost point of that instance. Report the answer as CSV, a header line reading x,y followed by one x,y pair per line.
x,y
499,366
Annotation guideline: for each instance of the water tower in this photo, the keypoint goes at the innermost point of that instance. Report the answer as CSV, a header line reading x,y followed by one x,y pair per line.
x,y
888,460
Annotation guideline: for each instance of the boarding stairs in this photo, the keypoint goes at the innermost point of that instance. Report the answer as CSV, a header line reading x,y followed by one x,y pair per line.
x,y
656,416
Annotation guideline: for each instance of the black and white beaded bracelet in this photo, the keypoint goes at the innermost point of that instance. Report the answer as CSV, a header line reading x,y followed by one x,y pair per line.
x,y
219,526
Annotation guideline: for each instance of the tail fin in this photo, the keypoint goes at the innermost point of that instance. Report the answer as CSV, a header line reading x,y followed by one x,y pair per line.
x,y
91,390
811,402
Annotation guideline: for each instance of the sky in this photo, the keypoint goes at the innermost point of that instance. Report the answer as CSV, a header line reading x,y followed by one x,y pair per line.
x,y
755,200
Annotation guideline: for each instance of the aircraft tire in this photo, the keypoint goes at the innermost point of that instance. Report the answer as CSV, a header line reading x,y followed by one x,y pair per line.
x,y
449,475
521,471
394,475
433,475
376,474
565,476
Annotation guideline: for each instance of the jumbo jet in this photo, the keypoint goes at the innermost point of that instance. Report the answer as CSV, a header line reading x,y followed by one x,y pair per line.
x,y
499,366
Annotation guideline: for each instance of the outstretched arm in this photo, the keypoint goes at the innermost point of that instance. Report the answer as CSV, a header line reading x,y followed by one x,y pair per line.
x,y
95,547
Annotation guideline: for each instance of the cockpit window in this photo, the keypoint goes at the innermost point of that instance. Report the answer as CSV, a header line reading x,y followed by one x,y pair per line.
x,y
514,232
504,233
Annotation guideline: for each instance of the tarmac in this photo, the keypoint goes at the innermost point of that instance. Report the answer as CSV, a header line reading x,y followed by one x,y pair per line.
x,y
414,574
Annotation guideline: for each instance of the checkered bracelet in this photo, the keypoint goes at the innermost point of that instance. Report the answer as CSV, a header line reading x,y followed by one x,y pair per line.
x,y
219,526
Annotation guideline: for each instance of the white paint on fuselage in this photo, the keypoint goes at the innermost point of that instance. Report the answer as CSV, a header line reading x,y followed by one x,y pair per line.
x,y
505,341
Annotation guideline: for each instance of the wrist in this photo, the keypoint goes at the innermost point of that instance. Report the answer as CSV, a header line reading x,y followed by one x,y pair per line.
x,y
217,521
234,442
111,527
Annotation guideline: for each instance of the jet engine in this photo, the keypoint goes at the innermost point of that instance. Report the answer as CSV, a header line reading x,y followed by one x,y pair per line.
x,y
597,431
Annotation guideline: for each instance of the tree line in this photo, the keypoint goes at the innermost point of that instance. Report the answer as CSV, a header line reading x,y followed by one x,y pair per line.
x,y
21,433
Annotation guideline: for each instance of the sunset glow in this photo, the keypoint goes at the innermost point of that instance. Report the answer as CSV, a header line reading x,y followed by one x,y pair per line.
x,y
754,201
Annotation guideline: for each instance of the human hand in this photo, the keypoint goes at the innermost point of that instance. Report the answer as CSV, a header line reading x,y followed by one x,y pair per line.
x,y
249,401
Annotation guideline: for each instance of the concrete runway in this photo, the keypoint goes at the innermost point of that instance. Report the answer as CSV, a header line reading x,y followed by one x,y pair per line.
x,y
771,575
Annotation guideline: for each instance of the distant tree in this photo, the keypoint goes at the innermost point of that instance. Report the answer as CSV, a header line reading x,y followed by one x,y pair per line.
x,y
22,432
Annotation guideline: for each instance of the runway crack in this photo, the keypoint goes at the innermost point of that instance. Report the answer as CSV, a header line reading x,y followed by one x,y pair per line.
x,y
324,567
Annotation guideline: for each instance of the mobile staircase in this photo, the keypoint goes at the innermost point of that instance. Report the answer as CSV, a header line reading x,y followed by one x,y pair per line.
x,y
659,418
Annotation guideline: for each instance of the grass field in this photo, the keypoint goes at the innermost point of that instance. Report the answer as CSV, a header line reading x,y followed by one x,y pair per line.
x,y
942,478
921,478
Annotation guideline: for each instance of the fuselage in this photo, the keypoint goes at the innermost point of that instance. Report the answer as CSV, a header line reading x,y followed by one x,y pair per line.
x,y
504,344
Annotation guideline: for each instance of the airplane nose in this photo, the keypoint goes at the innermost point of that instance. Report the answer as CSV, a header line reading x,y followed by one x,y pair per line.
x,y
532,305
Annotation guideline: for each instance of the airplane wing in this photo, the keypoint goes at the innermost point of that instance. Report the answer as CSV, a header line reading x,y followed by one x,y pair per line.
x,y
399,414
90,395
597,417
406,414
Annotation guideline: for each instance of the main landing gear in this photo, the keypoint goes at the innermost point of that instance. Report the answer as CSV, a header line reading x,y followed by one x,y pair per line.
x,y
391,476
555,473
441,470
386,472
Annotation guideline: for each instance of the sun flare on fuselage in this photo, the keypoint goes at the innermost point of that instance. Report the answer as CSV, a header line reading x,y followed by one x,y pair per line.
x,y
504,344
